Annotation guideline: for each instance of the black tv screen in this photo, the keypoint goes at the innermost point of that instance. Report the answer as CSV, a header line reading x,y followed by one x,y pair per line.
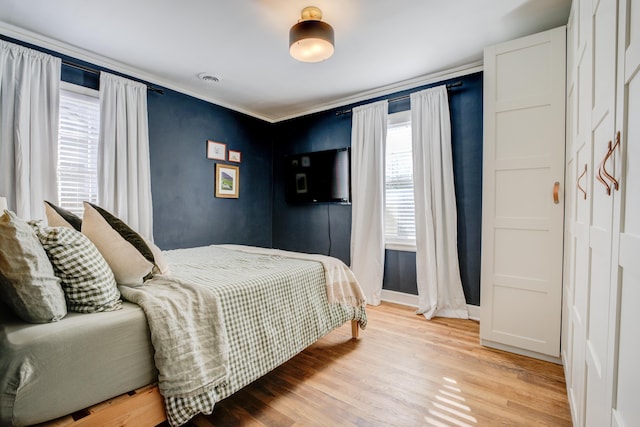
x,y
319,177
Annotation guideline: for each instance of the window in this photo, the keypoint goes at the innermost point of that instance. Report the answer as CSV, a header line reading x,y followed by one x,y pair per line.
x,y
78,147
400,229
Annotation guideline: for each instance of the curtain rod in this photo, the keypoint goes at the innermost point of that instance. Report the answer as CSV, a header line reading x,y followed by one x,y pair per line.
x,y
95,71
401,98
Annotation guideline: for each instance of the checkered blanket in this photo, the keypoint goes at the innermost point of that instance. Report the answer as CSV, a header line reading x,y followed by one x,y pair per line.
x,y
342,285
272,308
190,343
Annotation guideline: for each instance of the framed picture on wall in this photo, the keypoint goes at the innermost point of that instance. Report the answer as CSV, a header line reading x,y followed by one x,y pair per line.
x,y
227,181
216,150
234,156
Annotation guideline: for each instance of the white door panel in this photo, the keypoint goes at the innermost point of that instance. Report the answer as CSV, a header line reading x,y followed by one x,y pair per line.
x,y
522,226
598,387
626,244
625,277
581,190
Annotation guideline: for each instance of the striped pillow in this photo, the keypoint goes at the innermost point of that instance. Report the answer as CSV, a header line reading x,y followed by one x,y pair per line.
x,y
87,280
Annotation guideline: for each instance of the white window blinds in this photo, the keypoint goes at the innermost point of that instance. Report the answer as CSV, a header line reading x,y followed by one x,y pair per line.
x,y
78,148
400,229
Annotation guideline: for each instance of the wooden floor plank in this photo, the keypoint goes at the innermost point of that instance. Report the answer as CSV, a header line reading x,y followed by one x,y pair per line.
x,y
403,371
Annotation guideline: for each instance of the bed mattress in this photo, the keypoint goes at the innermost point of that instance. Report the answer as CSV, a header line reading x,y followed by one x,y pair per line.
x,y
54,369
273,308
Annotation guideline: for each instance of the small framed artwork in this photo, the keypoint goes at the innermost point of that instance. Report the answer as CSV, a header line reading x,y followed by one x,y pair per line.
x,y
235,156
301,183
216,150
227,181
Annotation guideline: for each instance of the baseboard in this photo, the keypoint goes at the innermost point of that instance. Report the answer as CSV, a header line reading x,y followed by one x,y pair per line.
x,y
474,312
411,300
401,298
521,351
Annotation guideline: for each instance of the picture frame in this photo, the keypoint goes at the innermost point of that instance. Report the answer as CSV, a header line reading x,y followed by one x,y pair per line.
x,y
235,156
216,150
227,181
301,183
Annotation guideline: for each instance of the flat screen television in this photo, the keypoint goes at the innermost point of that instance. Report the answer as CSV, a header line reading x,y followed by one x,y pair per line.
x,y
319,177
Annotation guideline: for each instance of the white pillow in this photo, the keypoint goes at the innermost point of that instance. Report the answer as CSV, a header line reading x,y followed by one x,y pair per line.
x,y
28,284
162,266
59,217
126,252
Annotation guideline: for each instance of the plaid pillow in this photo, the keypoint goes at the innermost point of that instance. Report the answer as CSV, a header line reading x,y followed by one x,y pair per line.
x,y
87,280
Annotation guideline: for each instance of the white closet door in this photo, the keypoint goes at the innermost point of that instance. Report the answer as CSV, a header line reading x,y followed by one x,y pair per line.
x,y
626,243
579,186
577,206
598,385
569,196
524,109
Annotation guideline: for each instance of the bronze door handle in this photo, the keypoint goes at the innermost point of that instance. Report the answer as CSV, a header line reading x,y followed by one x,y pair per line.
x,y
578,181
600,169
556,192
614,181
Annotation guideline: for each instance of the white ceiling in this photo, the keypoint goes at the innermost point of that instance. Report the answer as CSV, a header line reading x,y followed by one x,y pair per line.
x,y
381,45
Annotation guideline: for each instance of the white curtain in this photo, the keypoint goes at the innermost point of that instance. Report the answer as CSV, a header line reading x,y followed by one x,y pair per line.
x,y
437,268
368,136
29,109
124,177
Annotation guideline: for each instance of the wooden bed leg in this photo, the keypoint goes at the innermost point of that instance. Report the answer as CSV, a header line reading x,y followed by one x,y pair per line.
x,y
354,329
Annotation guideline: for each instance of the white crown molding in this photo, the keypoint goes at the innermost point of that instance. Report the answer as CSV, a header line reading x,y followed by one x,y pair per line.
x,y
413,83
76,52
102,61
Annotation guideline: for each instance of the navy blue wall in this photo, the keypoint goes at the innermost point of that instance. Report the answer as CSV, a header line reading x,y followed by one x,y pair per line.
x,y
320,228
185,211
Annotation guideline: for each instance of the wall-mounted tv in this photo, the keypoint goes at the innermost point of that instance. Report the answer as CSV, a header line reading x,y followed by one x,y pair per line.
x,y
319,177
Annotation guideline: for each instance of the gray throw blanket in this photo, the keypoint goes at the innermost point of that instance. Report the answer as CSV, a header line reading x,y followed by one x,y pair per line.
x,y
190,342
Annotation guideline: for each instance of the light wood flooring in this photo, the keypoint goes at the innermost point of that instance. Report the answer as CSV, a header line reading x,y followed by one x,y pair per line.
x,y
403,371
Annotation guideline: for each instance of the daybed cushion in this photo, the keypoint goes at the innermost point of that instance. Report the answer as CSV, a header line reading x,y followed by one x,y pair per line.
x,y
28,284
87,279
126,252
59,217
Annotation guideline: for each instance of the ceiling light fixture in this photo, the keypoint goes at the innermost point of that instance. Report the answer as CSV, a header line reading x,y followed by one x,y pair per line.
x,y
311,40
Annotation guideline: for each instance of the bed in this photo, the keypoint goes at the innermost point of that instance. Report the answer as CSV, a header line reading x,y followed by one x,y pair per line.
x,y
273,305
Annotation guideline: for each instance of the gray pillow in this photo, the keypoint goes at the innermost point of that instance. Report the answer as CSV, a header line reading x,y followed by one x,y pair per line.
x,y
28,284
87,280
